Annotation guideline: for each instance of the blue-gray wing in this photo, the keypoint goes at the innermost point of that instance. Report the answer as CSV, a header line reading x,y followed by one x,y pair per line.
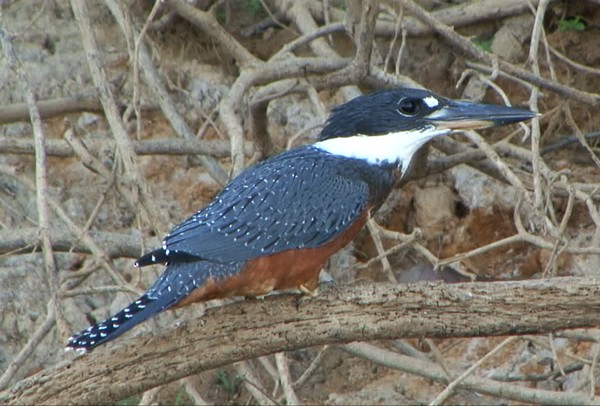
x,y
299,199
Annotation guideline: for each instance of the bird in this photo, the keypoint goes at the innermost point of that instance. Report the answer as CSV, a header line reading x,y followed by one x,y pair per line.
x,y
275,225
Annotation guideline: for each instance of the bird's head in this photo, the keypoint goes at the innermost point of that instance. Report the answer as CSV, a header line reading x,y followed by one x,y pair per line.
x,y
391,125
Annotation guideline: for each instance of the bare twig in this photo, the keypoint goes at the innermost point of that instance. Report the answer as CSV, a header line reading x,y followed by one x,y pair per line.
x,y
315,363
193,393
374,230
252,384
535,123
449,390
286,380
30,347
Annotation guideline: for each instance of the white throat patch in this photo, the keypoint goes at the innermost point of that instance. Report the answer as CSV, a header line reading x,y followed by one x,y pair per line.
x,y
376,149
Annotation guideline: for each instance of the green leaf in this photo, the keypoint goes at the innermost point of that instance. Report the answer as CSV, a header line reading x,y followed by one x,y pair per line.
x,y
485,44
571,24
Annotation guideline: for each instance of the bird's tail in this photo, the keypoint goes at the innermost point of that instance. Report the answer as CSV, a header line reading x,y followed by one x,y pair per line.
x,y
109,329
177,281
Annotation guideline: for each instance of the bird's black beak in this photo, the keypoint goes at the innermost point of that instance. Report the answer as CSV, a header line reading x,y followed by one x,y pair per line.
x,y
462,115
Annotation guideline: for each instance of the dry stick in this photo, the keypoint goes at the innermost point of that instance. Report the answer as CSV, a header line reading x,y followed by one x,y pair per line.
x,y
374,231
579,134
596,353
587,199
164,99
560,234
449,390
211,28
403,241
29,347
124,143
112,245
299,13
50,108
481,385
149,397
493,156
307,38
403,238
74,279
98,289
537,377
86,158
363,36
163,146
253,385
286,380
572,63
129,36
533,103
342,314
498,74
582,334
93,164
311,368
555,355
274,18
41,179
193,393
472,50
521,237
397,30
256,76
272,371
437,356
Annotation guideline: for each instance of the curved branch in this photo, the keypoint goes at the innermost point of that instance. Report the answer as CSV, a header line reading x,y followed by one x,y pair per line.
x,y
283,323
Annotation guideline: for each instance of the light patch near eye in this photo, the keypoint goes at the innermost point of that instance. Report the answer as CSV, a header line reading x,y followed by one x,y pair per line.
x,y
431,101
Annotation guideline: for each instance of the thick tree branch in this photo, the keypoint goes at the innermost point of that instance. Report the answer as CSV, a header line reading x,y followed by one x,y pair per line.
x,y
283,323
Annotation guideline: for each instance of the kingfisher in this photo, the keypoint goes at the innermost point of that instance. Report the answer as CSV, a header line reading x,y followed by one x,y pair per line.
x,y
275,225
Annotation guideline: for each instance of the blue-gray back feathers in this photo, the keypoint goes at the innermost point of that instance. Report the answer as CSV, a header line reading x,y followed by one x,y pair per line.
x,y
299,199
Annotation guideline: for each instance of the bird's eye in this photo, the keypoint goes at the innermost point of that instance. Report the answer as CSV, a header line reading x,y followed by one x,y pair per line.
x,y
409,106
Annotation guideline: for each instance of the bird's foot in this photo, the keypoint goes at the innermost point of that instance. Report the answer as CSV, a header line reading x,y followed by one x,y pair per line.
x,y
308,292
